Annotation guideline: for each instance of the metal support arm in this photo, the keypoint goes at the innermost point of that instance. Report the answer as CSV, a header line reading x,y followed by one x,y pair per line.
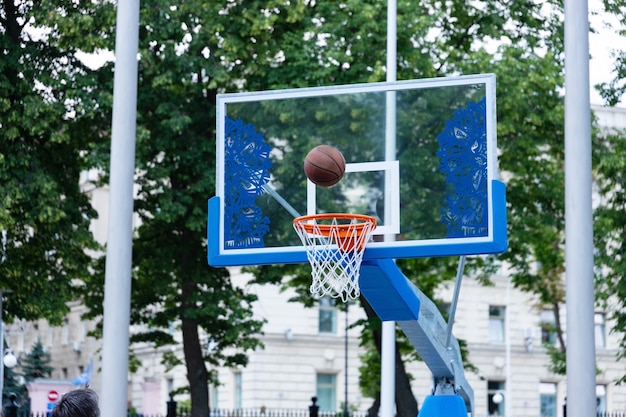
x,y
395,298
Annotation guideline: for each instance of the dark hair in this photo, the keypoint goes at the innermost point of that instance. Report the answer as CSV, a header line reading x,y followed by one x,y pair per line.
x,y
78,403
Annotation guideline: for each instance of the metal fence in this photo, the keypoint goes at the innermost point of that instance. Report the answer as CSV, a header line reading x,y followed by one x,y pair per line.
x,y
185,412
258,412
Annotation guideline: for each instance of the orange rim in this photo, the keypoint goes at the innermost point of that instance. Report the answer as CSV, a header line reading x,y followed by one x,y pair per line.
x,y
302,222
343,232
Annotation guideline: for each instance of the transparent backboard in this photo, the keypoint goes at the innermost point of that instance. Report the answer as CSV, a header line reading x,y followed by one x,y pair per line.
x,y
421,158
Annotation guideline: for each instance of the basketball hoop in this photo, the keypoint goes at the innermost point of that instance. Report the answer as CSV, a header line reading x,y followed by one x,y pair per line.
x,y
334,246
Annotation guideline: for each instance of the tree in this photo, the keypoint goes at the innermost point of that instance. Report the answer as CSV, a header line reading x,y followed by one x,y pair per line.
x,y
613,91
533,127
222,49
171,282
609,218
36,364
44,215
609,229
528,64
12,386
535,192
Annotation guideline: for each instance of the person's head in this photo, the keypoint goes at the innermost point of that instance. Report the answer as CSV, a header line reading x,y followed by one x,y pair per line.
x,y
78,403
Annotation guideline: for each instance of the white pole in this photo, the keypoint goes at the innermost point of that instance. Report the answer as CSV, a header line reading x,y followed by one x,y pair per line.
x,y
119,243
392,34
1,353
507,337
388,343
581,377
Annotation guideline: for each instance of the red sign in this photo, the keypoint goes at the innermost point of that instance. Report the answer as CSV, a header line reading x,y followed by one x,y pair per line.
x,y
53,396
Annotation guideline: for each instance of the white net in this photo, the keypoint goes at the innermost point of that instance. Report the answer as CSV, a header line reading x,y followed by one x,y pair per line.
x,y
334,246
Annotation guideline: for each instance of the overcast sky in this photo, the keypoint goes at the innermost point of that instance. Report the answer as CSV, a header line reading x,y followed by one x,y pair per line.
x,y
600,45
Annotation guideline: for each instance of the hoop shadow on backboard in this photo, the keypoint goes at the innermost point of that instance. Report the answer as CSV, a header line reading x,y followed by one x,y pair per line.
x,y
428,175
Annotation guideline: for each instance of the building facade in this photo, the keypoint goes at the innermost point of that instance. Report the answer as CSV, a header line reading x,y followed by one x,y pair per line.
x,y
313,352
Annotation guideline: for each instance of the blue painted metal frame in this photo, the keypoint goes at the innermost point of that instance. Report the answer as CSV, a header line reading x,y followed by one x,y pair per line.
x,y
451,247
394,298
443,406
388,291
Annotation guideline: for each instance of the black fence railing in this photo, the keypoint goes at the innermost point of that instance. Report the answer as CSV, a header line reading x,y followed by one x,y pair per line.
x,y
620,413
185,412
258,412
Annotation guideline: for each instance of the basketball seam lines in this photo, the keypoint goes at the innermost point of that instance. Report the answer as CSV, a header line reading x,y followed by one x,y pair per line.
x,y
322,168
331,158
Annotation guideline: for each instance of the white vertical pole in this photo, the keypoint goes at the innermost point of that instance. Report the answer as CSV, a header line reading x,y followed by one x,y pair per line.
x,y
507,337
119,243
388,370
1,353
581,377
388,344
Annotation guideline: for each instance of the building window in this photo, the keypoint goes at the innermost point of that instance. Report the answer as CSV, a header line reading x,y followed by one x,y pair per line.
x,y
83,331
51,337
238,391
496,323
600,329
65,332
20,342
600,398
548,327
495,398
327,315
547,399
326,392
214,400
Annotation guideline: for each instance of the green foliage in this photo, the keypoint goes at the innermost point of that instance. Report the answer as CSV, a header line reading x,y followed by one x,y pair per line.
x,y
12,385
609,217
184,404
170,360
613,91
557,363
352,408
609,231
44,133
530,123
36,364
369,373
529,68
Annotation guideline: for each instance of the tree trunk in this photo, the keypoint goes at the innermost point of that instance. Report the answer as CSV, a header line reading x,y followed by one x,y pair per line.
x,y
556,308
197,374
373,410
406,404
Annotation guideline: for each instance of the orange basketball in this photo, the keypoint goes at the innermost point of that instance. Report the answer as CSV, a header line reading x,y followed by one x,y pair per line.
x,y
324,165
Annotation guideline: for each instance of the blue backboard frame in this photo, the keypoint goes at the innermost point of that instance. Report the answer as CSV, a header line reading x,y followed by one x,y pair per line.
x,y
495,240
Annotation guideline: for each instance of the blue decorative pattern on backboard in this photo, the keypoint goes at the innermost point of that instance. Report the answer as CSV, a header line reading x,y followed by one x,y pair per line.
x,y
246,170
463,154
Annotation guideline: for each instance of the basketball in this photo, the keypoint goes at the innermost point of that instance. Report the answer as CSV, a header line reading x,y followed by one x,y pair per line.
x,y
324,165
